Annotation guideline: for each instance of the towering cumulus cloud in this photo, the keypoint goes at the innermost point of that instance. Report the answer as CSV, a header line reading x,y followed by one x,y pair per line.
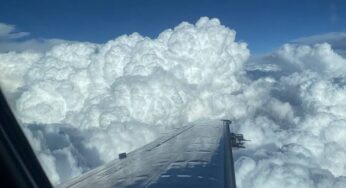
x,y
81,103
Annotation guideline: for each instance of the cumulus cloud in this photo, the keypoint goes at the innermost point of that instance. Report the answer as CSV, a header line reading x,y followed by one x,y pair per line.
x,y
336,39
299,142
131,87
82,103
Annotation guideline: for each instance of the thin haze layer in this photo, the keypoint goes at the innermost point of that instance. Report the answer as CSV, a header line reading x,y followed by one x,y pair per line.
x,y
81,103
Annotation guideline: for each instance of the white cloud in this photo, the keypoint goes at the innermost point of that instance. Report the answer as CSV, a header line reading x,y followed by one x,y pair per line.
x,y
13,40
130,87
33,45
9,32
303,140
336,39
102,99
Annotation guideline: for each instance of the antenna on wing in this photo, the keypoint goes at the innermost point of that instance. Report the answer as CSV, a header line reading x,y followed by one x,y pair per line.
x,y
237,140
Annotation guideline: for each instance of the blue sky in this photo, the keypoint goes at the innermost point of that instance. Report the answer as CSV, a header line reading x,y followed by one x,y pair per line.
x,y
264,25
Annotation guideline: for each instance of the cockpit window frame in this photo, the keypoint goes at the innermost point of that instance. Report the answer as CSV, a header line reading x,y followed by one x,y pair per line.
x,y
18,162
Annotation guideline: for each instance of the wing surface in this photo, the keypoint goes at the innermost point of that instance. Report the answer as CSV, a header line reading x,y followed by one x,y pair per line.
x,y
193,156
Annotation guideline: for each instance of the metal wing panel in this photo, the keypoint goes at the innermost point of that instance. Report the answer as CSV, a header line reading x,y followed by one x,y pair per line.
x,y
194,156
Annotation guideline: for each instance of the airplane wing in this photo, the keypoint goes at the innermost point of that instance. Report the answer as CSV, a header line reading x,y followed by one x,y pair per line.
x,y
193,156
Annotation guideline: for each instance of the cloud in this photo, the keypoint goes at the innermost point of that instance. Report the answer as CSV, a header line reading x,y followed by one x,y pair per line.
x,y
99,100
8,32
298,142
131,87
295,58
336,39
35,45
13,40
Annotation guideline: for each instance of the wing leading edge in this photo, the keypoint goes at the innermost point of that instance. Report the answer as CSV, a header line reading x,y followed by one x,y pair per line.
x,y
193,156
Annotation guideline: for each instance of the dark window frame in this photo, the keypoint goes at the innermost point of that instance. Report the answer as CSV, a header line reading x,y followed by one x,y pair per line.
x,y
19,165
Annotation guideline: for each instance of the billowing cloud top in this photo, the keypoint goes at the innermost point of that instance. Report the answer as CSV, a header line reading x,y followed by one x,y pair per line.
x,y
81,103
